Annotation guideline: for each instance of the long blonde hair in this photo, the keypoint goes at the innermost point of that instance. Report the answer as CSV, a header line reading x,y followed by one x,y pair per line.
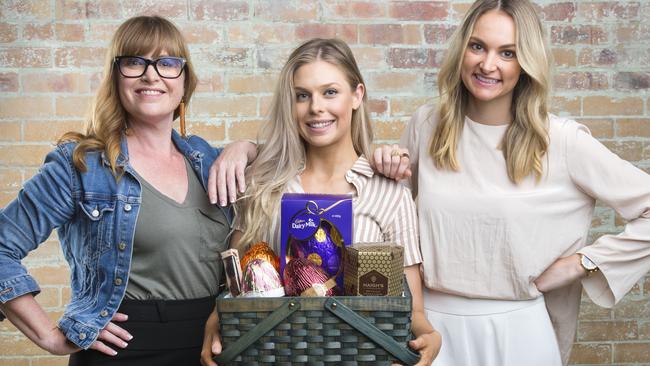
x,y
526,139
282,155
136,36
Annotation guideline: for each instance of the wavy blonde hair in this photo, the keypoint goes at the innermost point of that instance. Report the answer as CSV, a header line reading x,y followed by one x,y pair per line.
x,y
108,120
526,140
282,155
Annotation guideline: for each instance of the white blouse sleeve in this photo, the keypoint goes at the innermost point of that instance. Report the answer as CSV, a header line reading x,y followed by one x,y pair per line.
x,y
624,258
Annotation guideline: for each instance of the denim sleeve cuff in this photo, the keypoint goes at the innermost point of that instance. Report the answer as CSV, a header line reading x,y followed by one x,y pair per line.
x,y
78,333
18,286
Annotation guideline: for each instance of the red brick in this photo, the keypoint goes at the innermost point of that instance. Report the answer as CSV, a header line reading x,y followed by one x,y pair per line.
x,y
51,275
392,81
224,106
438,34
8,32
69,32
272,58
8,82
389,33
565,11
414,57
18,345
591,311
27,155
219,10
223,57
14,361
595,57
167,8
346,32
606,106
25,10
24,57
580,81
632,352
50,361
244,130
370,57
79,57
608,10
264,83
564,57
11,131
564,105
599,127
607,330
405,106
632,33
632,80
49,297
583,34
202,33
355,10
391,130
80,9
627,150
101,31
633,127
26,107
10,178
590,353
209,82
38,31
261,33
458,11
419,10
73,106
210,131
292,11
55,83
50,131
377,106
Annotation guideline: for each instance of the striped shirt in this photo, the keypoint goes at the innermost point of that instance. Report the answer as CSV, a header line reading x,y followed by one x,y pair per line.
x,y
384,211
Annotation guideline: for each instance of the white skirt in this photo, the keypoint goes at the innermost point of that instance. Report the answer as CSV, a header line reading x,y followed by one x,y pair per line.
x,y
480,332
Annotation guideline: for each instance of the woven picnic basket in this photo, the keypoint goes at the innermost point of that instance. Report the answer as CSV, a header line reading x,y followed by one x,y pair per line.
x,y
339,330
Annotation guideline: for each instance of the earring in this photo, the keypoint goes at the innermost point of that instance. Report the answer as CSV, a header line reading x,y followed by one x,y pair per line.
x,y
181,113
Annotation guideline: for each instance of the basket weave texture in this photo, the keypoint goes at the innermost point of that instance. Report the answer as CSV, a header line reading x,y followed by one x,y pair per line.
x,y
314,334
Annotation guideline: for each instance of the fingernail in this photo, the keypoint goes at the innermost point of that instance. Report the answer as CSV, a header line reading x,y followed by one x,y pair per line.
x,y
124,344
223,203
130,337
213,201
232,200
114,353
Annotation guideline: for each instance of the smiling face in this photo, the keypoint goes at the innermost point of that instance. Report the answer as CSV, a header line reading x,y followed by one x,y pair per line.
x,y
150,98
324,101
490,69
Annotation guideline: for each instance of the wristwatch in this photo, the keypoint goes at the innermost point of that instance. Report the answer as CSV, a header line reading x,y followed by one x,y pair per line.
x,y
588,265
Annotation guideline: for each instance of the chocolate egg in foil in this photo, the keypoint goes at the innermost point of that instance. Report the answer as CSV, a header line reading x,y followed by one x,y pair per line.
x,y
325,248
262,251
301,274
260,279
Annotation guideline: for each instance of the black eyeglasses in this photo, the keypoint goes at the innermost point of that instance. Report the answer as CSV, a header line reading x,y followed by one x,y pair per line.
x,y
134,66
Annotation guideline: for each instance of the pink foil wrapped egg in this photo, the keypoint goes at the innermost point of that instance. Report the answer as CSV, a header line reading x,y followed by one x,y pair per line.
x,y
301,274
260,279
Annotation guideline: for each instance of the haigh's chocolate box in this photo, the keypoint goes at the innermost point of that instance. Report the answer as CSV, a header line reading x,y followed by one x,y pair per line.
x,y
317,227
374,269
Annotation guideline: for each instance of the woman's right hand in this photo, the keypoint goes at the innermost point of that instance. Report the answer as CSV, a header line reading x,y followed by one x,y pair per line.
x,y
211,340
112,335
392,162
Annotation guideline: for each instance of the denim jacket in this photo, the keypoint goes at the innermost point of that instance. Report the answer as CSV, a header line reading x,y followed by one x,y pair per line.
x,y
95,216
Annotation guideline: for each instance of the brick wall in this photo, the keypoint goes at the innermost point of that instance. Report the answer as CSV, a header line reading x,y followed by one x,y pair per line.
x,y
51,53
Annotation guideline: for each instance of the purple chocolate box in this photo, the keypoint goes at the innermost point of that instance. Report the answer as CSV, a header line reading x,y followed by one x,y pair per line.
x,y
317,227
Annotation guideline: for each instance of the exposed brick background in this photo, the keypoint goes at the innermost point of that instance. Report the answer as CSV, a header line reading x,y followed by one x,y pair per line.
x,y
51,53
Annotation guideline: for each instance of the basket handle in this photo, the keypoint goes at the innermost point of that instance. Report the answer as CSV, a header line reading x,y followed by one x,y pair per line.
x,y
265,326
399,351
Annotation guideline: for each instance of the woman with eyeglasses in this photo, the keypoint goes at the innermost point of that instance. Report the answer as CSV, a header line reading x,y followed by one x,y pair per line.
x,y
128,198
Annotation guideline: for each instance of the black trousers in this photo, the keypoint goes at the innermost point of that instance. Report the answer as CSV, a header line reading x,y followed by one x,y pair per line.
x,y
165,333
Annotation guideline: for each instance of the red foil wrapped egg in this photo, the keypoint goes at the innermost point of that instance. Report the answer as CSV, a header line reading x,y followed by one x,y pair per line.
x,y
301,274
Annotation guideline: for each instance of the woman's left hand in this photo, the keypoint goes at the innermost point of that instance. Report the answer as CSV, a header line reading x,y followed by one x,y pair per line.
x,y
392,162
561,273
226,176
428,345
